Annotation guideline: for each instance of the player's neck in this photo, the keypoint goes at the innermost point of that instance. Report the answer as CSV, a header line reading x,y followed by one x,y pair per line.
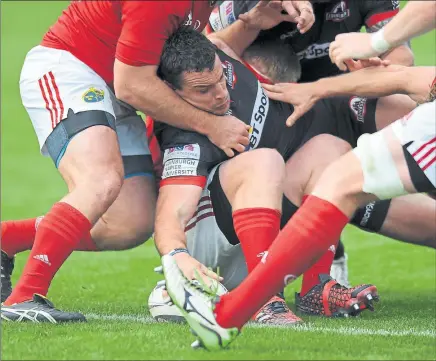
x,y
256,70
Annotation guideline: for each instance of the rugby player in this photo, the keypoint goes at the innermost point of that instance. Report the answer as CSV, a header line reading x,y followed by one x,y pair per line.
x,y
210,234
398,160
331,18
97,52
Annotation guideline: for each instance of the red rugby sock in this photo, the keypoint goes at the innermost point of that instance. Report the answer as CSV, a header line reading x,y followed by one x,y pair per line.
x,y
313,229
18,236
256,229
57,236
323,265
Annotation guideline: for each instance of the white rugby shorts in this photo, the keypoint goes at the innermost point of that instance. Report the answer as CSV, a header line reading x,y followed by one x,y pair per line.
x,y
53,81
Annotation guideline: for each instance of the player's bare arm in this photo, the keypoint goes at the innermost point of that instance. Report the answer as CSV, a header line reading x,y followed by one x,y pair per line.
x,y
379,81
368,82
416,18
175,207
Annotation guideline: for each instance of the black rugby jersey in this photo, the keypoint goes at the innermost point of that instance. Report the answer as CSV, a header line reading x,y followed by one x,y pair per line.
x,y
189,153
331,18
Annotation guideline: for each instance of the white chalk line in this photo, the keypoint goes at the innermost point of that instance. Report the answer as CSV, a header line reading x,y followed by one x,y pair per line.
x,y
347,331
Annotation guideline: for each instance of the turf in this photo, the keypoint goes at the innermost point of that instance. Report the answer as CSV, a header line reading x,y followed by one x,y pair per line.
x,y
112,288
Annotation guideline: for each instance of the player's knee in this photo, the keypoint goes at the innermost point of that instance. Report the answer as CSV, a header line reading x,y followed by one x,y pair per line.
x,y
268,163
105,186
341,182
328,147
112,235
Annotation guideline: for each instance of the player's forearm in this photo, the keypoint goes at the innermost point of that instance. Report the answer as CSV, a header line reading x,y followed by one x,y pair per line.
x,y
416,18
175,207
238,36
169,232
369,82
156,99
401,55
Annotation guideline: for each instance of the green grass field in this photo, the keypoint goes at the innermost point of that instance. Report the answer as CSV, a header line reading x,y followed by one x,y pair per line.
x,y
112,288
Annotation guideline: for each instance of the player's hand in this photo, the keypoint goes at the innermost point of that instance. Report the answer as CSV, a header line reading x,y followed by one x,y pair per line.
x,y
354,65
229,134
301,96
192,269
351,46
265,15
301,12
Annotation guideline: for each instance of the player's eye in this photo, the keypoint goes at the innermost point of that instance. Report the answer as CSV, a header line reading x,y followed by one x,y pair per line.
x,y
204,90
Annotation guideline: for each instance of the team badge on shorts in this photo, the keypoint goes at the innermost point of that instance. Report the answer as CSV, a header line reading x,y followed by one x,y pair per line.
x,y
93,95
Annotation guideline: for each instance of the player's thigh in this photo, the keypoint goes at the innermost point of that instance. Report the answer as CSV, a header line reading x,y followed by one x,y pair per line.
x,y
391,108
130,219
305,167
260,168
72,113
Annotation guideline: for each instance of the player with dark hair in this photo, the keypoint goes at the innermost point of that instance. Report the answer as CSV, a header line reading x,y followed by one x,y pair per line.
x,y
189,158
235,21
398,160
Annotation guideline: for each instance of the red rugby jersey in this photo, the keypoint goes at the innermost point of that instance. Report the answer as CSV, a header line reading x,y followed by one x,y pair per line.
x,y
134,32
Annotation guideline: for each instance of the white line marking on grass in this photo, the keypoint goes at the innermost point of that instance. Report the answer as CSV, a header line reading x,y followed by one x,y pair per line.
x,y
348,331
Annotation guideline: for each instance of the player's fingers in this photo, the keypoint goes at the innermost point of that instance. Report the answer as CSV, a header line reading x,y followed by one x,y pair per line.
x,y
352,65
332,49
271,87
288,6
297,114
275,96
243,17
263,3
288,18
229,152
243,141
370,62
239,148
211,274
305,26
292,119
340,63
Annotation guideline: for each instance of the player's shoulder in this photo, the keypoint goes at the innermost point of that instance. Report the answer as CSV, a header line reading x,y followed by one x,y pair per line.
x,y
153,8
227,12
377,5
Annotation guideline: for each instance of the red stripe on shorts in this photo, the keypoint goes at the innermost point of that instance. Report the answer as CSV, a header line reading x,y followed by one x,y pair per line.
x,y
58,97
52,100
47,105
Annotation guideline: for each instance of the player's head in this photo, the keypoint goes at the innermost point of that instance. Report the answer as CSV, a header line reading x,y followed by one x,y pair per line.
x,y
274,60
190,65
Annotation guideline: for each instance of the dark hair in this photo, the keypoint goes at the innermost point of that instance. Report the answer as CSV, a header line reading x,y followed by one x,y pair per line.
x,y
186,50
278,57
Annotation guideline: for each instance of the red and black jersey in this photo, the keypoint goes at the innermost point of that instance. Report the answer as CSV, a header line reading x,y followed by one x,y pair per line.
x,y
332,18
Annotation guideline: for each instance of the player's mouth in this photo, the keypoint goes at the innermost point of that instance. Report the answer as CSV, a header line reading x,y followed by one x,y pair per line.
x,y
224,105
